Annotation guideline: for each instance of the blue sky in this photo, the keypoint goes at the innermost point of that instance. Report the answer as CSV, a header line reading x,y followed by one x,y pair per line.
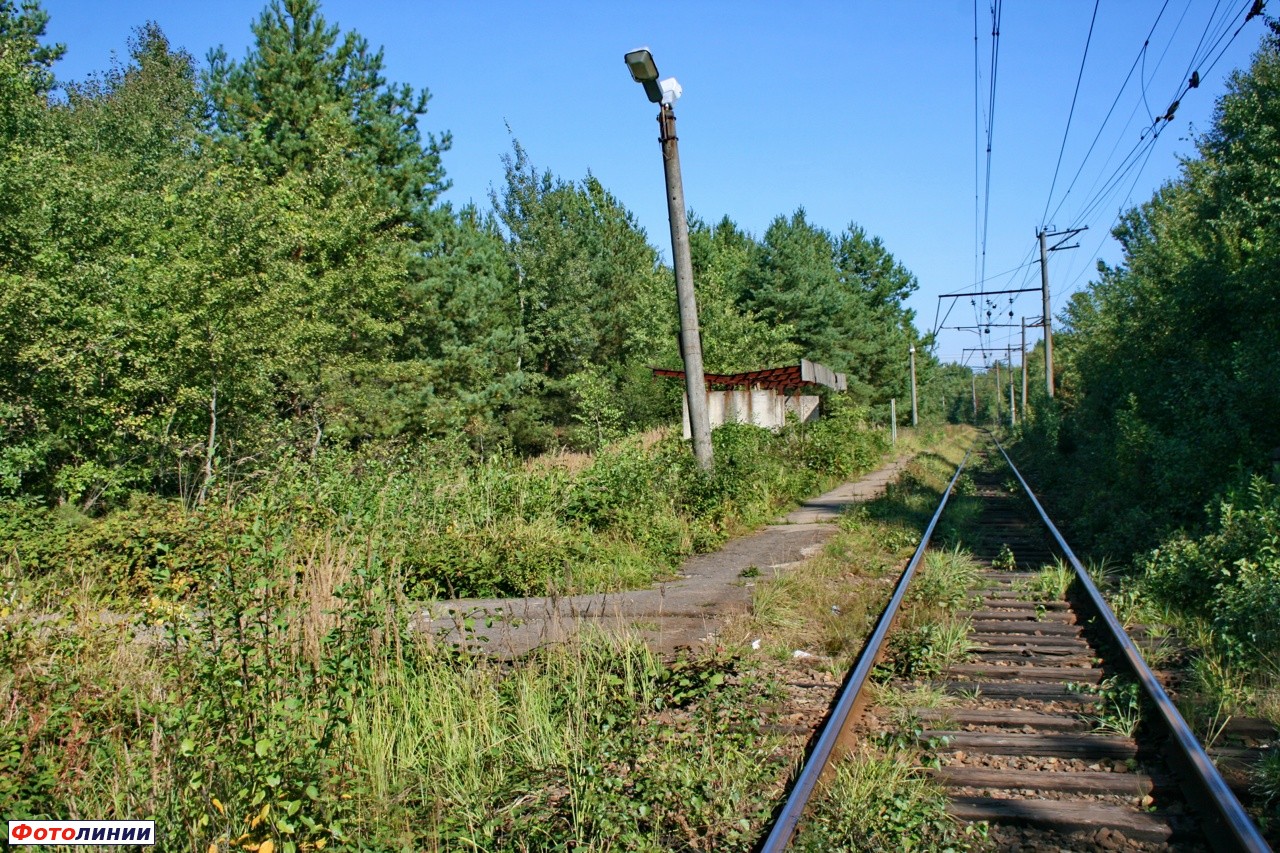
x,y
858,111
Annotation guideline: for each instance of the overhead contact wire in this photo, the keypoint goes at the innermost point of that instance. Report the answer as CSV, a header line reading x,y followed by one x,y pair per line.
x,y
1070,113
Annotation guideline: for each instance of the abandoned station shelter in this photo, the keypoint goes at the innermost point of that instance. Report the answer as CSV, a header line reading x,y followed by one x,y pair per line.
x,y
763,397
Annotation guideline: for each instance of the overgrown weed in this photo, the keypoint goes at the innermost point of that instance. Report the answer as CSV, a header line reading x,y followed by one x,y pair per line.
x,y
293,707
272,691
1051,582
455,526
881,800
930,634
1119,708
1265,786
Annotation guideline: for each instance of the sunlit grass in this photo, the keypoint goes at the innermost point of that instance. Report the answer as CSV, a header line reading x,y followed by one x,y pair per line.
x,y
882,800
1051,582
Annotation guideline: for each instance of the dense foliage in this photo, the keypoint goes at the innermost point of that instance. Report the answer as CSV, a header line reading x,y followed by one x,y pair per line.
x,y
1169,383
497,527
206,270
1230,576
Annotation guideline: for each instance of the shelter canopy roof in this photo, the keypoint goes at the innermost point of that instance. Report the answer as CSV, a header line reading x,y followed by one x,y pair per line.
x,y
806,374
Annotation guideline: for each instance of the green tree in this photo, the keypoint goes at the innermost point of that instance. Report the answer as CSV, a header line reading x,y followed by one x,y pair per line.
x,y
179,294
89,365
842,296
794,281
460,327
303,91
1168,371
591,296
26,63
392,309
29,160
734,339
882,333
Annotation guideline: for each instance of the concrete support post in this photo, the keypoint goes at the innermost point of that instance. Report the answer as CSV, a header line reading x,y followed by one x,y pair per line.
x,y
915,416
690,338
1048,331
1024,369
1013,417
999,414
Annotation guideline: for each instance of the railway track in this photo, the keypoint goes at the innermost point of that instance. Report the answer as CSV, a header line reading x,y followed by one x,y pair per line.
x,y
1039,737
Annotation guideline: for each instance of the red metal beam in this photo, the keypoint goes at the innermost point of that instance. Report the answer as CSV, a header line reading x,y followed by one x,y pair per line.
x,y
773,377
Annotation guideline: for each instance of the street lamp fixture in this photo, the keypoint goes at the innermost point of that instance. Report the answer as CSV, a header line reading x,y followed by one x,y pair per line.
x,y
645,72
915,415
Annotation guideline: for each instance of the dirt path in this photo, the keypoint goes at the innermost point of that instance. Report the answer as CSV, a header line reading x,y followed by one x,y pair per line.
x,y
688,611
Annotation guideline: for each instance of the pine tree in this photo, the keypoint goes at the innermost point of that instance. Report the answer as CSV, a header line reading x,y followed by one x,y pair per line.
x,y
303,91
594,305
733,338
25,62
795,281
881,286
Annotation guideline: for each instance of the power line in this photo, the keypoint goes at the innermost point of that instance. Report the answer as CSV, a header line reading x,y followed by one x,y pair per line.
x,y
1142,149
996,11
1115,182
1119,212
1254,10
1070,114
1107,118
1215,41
1160,62
977,145
1135,151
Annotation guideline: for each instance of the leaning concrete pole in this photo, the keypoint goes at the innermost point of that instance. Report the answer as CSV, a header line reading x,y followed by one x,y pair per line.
x,y
690,339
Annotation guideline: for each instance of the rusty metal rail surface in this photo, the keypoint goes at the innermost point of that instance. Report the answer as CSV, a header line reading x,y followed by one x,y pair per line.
x,y
1221,809
1223,821
785,826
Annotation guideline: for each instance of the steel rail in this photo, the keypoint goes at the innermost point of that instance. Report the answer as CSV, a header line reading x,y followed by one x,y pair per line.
x,y
785,825
1238,832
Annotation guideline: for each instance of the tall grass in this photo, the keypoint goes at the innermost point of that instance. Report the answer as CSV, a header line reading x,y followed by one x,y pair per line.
x,y
456,527
882,800
1051,582
291,706
595,746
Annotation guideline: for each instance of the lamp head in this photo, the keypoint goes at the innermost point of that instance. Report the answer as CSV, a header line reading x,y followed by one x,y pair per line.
x,y
645,72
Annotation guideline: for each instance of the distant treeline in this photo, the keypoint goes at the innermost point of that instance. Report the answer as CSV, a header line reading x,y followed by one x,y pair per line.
x,y
203,267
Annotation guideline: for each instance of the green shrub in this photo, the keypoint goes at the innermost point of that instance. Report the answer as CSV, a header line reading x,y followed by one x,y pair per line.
x,y
1231,575
151,547
619,487
513,557
883,802
454,527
